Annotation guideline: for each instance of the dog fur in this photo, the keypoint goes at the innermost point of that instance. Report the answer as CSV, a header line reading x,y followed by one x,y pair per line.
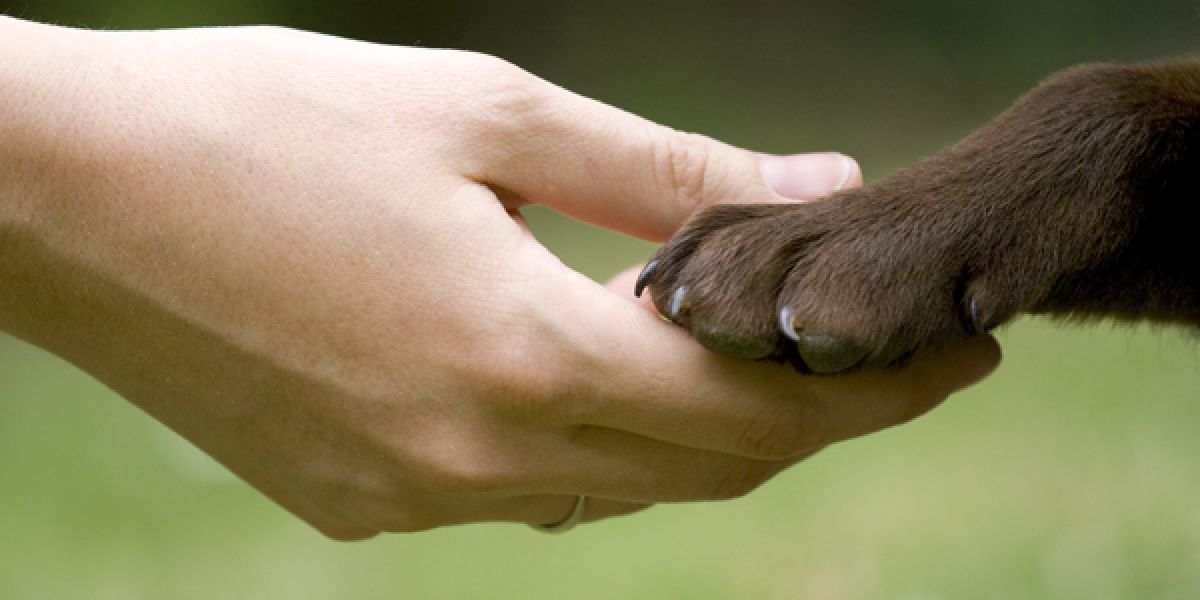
x,y
1081,200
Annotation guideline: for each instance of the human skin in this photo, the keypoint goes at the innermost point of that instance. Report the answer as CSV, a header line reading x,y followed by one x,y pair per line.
x,y
304,255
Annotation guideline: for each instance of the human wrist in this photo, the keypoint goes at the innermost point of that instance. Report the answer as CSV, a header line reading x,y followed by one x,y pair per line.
x,y
44,83
51,119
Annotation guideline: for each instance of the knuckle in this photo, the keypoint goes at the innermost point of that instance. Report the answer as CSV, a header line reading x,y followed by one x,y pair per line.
x,y
366,504
683,166
529,379
485,68
449,467
522,374
502,94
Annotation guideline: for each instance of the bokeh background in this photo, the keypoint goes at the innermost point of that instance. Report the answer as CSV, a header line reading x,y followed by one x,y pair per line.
x,y
1073,472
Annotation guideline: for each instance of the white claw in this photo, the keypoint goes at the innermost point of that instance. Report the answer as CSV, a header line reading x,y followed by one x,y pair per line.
x,y
676,301
786,325
976,327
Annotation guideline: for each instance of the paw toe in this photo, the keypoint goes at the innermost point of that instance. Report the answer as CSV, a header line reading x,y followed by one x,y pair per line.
x,y
825,353
731,342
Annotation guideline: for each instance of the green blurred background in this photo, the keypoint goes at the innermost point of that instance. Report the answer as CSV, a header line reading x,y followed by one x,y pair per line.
x,y
1074,472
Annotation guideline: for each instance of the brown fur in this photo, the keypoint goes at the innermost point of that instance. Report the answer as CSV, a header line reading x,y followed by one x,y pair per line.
x,y
1081,200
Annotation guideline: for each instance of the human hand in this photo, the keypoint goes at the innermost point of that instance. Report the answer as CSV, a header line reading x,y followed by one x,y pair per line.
x,y
303,254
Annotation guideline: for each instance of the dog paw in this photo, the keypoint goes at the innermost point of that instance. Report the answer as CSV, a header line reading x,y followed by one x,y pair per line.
x,y
1074,202
861,280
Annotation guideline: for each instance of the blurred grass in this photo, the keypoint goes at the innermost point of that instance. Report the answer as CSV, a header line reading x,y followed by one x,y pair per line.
x,y
1071,473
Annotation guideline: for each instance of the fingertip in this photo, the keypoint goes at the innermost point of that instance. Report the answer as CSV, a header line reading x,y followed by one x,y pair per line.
x,y
964,365
804,177
851,174
983,357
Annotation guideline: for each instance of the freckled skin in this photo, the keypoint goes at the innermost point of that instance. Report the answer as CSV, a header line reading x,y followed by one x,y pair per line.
x,y
1079,201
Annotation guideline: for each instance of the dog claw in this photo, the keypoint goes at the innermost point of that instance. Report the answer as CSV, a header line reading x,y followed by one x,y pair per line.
x,y
644,278
676,302
786,325
973,317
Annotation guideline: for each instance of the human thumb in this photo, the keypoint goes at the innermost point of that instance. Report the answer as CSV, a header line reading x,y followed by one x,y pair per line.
x,y
610,168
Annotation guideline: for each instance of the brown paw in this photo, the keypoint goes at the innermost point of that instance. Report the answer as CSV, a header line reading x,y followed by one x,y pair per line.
x,y
1076,202
851,282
